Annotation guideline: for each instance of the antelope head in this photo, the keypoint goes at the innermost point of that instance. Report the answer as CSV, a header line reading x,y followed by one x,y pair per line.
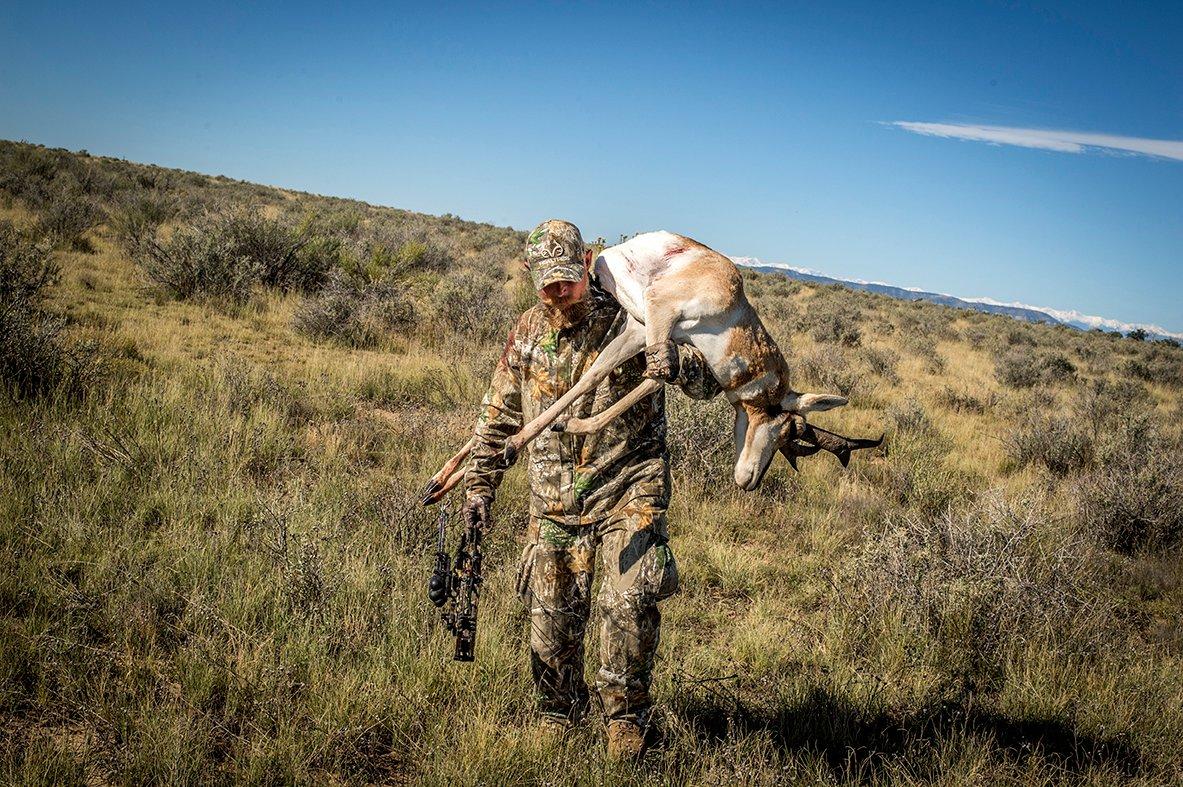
x,y
762,431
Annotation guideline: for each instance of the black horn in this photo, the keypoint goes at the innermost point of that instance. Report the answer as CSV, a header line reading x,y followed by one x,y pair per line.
x,y
822,439
838,445
794,449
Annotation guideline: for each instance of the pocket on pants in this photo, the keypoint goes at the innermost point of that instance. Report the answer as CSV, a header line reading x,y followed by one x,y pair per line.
x,y
525,570
659,572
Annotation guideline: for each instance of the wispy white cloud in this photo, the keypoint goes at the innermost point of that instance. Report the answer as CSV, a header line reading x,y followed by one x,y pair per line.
x,y
1048,139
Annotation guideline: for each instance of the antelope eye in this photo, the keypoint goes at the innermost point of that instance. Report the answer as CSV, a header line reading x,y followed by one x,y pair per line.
x,y
775,410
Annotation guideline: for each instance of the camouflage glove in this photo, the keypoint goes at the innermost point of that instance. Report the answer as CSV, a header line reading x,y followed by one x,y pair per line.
x,y
475,512
661,361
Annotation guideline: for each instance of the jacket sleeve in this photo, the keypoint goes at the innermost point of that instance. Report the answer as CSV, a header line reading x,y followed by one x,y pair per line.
x,y
694,375
499,419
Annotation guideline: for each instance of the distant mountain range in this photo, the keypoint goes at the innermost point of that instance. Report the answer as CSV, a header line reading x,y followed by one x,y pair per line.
x,y
1020,311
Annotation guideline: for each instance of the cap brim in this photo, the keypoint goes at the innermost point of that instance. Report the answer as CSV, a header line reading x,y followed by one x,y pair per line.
x,y
562,271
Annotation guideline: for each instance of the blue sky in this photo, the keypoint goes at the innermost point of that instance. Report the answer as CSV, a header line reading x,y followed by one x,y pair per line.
x,y
764,130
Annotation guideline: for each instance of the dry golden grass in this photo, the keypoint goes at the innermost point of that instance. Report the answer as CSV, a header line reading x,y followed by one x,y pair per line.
x,y
214,565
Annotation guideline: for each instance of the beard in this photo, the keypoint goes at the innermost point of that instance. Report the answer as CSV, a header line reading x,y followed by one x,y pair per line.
x,y
567,315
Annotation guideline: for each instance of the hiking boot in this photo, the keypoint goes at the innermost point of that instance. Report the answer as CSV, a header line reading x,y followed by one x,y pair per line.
x,y
553,729
626,740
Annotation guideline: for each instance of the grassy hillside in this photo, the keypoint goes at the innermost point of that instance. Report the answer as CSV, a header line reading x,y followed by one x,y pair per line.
x,y
220,401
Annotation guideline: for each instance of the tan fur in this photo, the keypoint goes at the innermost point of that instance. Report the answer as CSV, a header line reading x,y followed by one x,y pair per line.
x,y
684,280
762,355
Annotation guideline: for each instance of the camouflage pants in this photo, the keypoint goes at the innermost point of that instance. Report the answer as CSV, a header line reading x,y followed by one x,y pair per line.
x,y
555,580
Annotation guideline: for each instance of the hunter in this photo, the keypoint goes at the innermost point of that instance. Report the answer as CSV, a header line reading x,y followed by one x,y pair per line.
x,y
603,493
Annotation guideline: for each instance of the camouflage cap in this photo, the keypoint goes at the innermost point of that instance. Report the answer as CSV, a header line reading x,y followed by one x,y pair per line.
x,y
554,252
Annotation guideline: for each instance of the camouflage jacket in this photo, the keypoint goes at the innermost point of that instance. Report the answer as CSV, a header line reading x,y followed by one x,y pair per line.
x,y
579,479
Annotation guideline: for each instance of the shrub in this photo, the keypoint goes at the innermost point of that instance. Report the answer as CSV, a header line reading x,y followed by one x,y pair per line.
x,y
829,367
831,322
342,223
199,261
963,401
471,304
1018,337
134,219
1136,368
916,473
976,336
1105,401
1057,368
971,588
376,261
922,345
522,295
28,172
408,246
909,416
1154,369
699,436
1017,369
225,252
1133,501
35,354
66,219
882,362
1060,443
926,322
354,311
1025,369
287,256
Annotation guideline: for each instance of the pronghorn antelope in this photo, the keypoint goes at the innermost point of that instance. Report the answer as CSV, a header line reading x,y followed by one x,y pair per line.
x,y
676,290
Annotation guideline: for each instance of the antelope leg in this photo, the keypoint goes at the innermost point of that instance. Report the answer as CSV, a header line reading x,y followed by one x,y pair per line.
x,y
630,342
597,422
447,476
436,494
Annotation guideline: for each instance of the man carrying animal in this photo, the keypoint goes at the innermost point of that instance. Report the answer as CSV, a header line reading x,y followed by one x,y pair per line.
x,y
602,494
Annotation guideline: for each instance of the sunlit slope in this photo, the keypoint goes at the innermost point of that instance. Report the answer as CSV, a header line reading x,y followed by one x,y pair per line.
x,y
214,564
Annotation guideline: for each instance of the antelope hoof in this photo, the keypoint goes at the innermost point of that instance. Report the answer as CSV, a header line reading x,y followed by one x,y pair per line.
x,y
509,455
661,361
430,492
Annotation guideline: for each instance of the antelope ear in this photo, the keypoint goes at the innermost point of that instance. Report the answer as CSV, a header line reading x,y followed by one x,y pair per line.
x,y
811,402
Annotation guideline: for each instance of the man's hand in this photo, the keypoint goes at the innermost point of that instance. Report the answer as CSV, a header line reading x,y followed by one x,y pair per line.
x,y
475,512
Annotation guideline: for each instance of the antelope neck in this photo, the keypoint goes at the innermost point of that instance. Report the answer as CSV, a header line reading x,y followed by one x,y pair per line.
x,y
754,370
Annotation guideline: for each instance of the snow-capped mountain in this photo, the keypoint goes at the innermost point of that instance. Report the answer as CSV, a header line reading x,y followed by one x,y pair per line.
x,y
1020,311
1087,321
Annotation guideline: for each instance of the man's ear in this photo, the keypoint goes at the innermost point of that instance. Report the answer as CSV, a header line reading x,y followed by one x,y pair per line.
x,y
587,258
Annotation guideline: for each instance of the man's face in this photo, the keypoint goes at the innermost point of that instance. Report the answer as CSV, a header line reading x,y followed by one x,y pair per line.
x,y
562,295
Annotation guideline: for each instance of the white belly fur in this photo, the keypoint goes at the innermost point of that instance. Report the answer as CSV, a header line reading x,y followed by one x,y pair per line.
x,y
626,271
